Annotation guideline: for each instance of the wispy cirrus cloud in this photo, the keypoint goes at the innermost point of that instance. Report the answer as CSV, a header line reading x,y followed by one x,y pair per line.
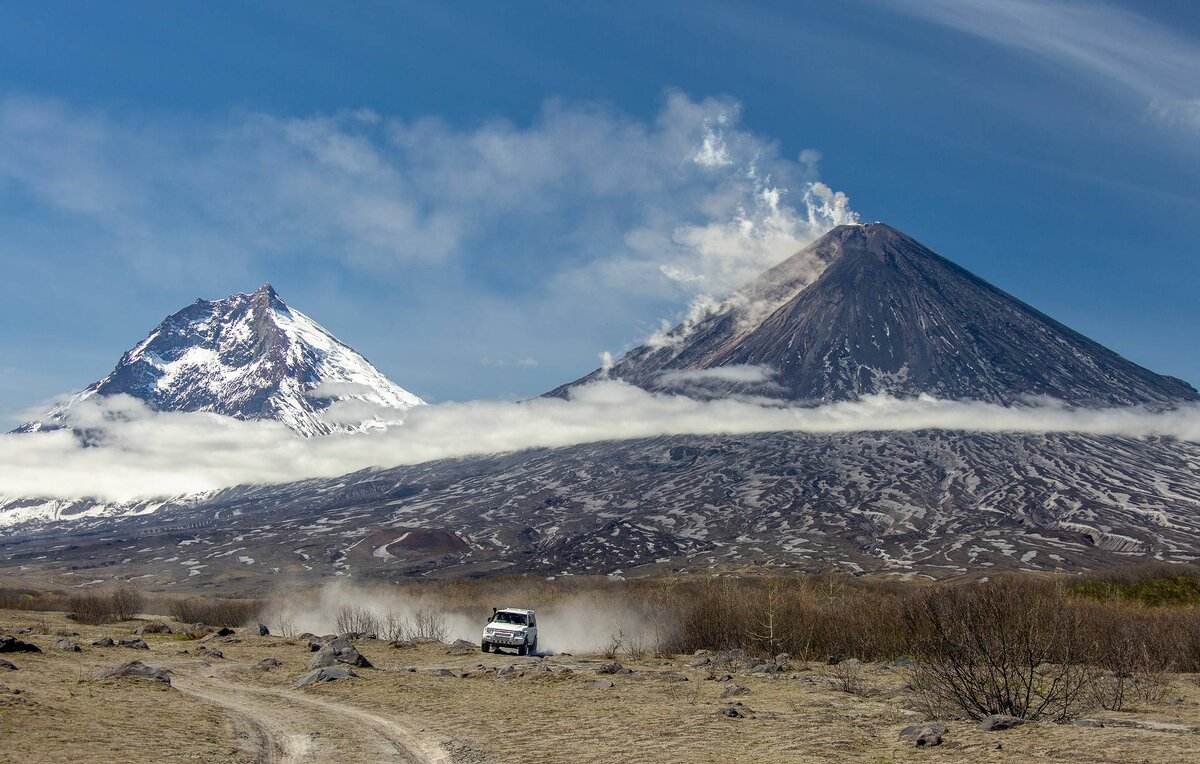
x,y
1115,46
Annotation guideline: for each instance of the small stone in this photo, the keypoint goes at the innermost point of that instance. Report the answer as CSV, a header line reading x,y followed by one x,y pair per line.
x,y
734,690
599,684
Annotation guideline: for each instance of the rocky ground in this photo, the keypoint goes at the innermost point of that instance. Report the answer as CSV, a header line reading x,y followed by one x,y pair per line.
x,y
235,697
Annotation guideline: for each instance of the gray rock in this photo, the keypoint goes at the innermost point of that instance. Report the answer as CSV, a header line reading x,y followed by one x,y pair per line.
x,y
260,629
224,631
7,666
783,659
599,684
339,650
135,670
613,668
734,690
14,645
210,652
700,662
104,642
925,735
266,664
136,644
326,674
157,627
1000,722
66,646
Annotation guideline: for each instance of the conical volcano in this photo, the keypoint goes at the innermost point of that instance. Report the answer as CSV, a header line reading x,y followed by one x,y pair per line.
x,y
250,356
886,315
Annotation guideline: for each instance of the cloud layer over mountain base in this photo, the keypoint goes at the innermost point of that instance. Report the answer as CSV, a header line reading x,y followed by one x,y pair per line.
x,y
134,452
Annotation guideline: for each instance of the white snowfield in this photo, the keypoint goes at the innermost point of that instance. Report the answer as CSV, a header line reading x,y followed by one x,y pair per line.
x,y
251,356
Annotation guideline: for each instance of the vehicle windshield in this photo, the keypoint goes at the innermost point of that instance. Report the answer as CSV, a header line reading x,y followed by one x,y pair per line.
x,y
503,617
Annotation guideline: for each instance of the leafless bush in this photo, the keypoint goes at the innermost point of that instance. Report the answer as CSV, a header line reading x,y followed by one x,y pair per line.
x,y
614,644
427,624
127,603
1005,647
635,646
92,608
393,627
357,620
285,625
214,611
847,676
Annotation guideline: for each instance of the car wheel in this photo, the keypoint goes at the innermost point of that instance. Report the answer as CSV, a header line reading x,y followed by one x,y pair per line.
x,y
533,647
521,649
485,646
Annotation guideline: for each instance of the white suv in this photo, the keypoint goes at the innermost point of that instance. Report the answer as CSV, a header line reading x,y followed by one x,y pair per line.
x,y
511,627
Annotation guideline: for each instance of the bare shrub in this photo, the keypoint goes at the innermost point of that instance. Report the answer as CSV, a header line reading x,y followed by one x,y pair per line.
x,y
847,676
127,603
91,608
635,646
285,625
214,611
1008,646
393,627
356,620
427,624
614,644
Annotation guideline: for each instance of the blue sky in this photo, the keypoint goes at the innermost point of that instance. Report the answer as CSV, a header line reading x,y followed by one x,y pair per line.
x,y
481,198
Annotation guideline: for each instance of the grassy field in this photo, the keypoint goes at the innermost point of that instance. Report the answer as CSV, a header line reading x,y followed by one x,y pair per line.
x,y
222,709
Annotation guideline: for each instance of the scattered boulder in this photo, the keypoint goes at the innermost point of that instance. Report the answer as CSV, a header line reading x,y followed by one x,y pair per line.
x,y
208,638
700,662
210,652
783,659
260,629
315,645
613,668
14,645
338,650
66,646
925,735
104,642
136,644
766,668
326,674
135,670
599,684
7,666
736,711
462,647
734,690
266,664
224,631
157,627
1000,722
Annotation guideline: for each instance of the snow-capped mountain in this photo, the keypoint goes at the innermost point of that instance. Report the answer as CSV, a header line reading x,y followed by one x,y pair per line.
x,y
250,356
886,315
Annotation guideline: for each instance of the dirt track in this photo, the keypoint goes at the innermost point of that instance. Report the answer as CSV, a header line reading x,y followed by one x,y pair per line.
x,y
285,726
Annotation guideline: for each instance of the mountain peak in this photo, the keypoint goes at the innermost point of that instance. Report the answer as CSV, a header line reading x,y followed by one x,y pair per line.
x,y
886,314
251,356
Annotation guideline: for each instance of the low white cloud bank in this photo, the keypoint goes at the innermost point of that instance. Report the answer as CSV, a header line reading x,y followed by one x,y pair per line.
x,y
138,453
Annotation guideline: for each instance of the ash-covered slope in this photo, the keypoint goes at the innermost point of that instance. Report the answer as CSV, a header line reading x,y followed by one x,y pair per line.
x,y
250,356
887,315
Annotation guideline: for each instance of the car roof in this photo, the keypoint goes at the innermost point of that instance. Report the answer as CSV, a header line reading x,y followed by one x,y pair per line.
x,y
514,610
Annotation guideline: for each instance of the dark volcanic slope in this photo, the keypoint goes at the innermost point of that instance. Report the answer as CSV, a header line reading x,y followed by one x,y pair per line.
x,y
889,315
931,502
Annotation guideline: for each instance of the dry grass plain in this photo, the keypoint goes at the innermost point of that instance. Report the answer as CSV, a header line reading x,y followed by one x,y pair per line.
x,y
408,708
